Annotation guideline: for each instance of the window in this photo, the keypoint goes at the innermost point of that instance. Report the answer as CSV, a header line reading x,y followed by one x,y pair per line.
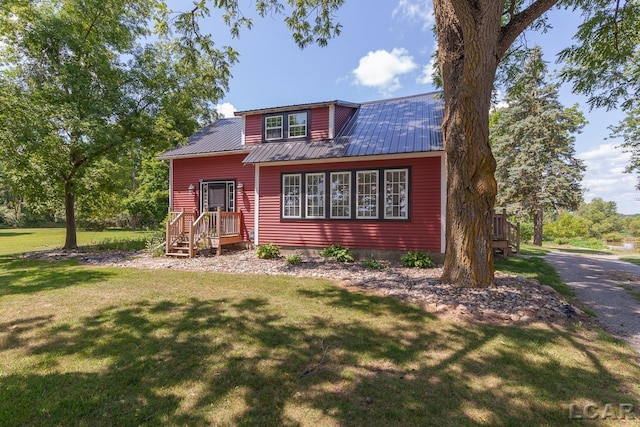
x,y
273,127
314,195
297,125
291,195
396,193
341,195
367,195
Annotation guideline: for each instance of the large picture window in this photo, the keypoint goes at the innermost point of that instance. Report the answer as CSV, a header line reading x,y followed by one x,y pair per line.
x,y
375,194
341,195
291,196
315,195
396,185
367,194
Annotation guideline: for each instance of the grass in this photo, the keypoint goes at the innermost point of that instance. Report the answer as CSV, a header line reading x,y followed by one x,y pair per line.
x,y
84,345
534,267
22,240
632,260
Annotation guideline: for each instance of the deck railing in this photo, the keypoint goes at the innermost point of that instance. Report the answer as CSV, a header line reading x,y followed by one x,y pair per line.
x,y
505,230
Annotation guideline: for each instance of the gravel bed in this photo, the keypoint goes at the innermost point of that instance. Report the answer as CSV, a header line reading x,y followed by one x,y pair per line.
x,y
514,299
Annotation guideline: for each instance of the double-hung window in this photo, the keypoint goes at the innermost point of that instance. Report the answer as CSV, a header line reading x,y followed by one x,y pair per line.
x,y
291,196
297,125
315,195
341,195
396,194
367,194
273,127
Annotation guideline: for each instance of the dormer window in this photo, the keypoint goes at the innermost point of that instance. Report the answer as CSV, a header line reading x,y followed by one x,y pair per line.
x,y
286,126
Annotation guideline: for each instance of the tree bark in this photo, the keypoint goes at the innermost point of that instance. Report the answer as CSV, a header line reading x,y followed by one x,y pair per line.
x,y
468,39
71,242
537,227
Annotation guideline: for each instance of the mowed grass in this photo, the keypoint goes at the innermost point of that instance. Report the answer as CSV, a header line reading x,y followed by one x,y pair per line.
x,y
96,346
15,241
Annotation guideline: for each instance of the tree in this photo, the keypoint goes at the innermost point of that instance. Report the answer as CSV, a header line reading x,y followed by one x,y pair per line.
x,y
533,143
79,90
603,217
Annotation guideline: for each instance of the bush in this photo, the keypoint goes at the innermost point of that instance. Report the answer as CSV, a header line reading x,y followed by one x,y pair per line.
x,y
373,264
417,259
613,237
294,259
339,252
268,251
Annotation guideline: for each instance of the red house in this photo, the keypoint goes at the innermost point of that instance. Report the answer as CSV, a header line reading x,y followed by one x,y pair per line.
x,y
369,176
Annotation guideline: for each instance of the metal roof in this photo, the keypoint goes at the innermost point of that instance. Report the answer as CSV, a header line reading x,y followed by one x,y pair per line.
x,y
221,137
394,126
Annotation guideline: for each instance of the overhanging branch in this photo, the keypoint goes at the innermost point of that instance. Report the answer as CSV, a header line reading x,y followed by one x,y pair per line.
x,y
521,21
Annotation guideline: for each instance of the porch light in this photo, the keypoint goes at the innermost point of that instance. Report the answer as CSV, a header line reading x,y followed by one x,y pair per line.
x,y
240,187
192,189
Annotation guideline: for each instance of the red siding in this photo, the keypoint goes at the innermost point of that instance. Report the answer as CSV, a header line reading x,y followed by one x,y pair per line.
x,y
421,232
191,171
342,115
253,129
319,123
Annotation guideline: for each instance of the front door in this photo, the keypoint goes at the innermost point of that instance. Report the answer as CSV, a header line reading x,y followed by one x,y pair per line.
x,y
217,194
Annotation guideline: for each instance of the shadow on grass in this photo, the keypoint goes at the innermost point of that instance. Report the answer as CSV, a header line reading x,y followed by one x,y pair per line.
x,y
25,276
244,362
4,233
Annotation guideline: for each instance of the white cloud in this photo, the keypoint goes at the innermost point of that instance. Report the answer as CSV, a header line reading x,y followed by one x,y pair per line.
x,y
226,109
426,77
420,11
382,69
605,177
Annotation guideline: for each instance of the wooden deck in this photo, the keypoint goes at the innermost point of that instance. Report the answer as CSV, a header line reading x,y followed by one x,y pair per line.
x,y
188,234
505,235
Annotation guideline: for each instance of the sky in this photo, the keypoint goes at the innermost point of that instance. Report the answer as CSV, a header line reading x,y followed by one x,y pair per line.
x,y
385,51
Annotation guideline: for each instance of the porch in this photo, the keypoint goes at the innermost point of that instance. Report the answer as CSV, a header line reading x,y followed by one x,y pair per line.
x,y
188,233
505,235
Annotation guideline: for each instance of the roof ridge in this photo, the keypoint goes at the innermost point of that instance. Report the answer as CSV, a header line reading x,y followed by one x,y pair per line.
x,y
417,95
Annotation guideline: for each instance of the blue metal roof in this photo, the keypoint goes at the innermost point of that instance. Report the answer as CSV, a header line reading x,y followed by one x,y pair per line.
x,y
394,126
222,136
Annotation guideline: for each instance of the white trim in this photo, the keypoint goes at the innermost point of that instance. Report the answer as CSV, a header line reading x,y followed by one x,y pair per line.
x,y
443,204
331,160
242,131
332,120
196,155
170,185
256,205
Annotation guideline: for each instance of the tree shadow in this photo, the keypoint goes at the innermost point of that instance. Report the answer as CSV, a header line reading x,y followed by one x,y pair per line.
x,y
25,276
245,362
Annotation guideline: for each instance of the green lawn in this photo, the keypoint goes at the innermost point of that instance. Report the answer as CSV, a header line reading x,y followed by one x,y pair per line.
x,y
97,346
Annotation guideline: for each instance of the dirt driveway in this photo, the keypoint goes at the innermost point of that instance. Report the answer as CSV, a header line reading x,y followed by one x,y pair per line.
x,y
608,286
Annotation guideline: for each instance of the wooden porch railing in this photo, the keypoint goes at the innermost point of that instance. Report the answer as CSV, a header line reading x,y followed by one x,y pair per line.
x,y
505,231
186,233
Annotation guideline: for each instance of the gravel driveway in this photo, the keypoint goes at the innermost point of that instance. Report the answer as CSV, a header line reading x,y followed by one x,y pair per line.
x,y
606,285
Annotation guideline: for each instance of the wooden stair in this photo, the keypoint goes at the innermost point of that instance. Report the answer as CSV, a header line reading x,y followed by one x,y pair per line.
x,y
505,236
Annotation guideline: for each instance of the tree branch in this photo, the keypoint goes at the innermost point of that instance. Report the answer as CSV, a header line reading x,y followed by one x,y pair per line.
x,y
521,21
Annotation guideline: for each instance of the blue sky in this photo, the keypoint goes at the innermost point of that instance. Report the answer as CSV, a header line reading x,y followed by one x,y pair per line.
x,y
382,52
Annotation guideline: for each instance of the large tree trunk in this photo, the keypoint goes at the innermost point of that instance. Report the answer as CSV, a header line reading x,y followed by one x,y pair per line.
x,y
537,228
71,241
468,54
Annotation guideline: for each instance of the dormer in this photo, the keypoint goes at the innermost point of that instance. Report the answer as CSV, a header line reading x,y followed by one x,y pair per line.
x,y
295,123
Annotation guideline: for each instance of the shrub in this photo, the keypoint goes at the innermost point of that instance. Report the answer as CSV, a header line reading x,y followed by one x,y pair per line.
x,y
339,252
373,264
613,237
294,259
268,251
417,259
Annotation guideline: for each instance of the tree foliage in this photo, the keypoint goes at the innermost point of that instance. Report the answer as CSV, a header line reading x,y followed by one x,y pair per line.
x,y
80,94
533,143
